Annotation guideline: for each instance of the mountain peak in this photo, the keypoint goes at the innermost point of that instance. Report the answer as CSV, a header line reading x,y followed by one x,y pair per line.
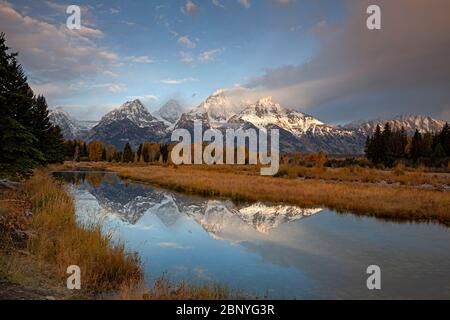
x,y
171,111
133,106
265,101
134,111
220,107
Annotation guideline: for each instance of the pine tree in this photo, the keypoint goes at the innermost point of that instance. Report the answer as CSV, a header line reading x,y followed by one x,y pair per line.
x,y
128,155
444,139
139,152
18,151
416,146
387,146
54,145
374,148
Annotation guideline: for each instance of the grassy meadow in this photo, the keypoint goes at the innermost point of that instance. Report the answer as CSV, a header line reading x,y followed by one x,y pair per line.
x,y
392,194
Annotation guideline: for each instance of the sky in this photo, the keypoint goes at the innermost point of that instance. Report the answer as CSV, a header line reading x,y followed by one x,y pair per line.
x,y
314,56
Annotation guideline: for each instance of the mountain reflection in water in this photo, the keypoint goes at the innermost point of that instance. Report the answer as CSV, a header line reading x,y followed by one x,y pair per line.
x,y
280,250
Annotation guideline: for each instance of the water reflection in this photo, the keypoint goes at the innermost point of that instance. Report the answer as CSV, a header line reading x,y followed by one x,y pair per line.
x,y
263,248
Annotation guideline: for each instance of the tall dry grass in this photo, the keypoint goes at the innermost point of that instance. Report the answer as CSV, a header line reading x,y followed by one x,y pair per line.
x,y
381,201
60,242
163,289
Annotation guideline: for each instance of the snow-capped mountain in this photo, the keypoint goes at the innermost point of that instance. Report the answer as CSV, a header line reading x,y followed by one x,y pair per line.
x,y
266,112
170,112
131,123
409,122
130,110
219,107
298,131
70,127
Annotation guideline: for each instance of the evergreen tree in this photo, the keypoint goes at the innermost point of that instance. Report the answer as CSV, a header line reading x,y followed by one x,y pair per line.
x,y
139,152
444,139
416,146
374,148
128,155
438,155
54,145
387,146
18,151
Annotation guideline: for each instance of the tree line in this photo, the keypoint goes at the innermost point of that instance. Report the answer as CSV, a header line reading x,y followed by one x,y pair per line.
x,y
387,147
78,150
27,137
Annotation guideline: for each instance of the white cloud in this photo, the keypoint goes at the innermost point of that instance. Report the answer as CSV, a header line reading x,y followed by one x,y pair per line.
x,y
53,53
209,55
189,8
217,3
114,11
178,81
146,97
113,87
186,57
140,59
110,73
186,42
246,3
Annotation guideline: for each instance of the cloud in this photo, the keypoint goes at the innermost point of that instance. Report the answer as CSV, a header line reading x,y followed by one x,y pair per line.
x,y
114,11
246,3
110,73
146,97
186,57
186,42
283,2
209,55
402,68
140,59
129,23
113,87
217,3
53,53
178,81
190,8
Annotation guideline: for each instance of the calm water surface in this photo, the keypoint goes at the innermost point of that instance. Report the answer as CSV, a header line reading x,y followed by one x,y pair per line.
x,y
282,251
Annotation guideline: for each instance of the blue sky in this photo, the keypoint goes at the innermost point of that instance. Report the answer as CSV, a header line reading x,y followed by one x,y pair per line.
x,y
186,49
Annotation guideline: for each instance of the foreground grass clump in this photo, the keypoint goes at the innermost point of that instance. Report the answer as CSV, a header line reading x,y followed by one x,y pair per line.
x,y
369,199
60,242
164,289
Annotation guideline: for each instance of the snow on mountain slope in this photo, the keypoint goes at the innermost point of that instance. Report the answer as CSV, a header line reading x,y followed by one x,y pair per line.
x,y
131,110
70,127
409,122
219,107
170,112
266,112
131,123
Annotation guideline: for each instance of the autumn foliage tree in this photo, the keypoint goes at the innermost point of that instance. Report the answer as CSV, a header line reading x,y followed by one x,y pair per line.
x,y
95,151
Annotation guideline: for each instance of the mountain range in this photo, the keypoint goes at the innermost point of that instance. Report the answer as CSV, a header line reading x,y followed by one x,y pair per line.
x,y
133,123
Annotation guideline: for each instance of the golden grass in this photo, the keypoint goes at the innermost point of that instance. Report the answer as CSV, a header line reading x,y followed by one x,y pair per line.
x,y
56,241
163,289
399,175
368,199
60,241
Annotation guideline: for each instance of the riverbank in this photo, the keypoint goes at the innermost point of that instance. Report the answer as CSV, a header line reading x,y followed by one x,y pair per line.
x,y
397,202
40,238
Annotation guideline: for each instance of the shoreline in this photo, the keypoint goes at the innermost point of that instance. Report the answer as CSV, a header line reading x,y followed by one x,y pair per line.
x,y
398,203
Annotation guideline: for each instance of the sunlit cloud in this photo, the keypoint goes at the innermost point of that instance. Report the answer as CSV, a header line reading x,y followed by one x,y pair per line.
x,y
112,87
178,81
186,42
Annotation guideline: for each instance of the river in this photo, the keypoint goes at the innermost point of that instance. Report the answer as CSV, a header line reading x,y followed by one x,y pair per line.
x,y
265,250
